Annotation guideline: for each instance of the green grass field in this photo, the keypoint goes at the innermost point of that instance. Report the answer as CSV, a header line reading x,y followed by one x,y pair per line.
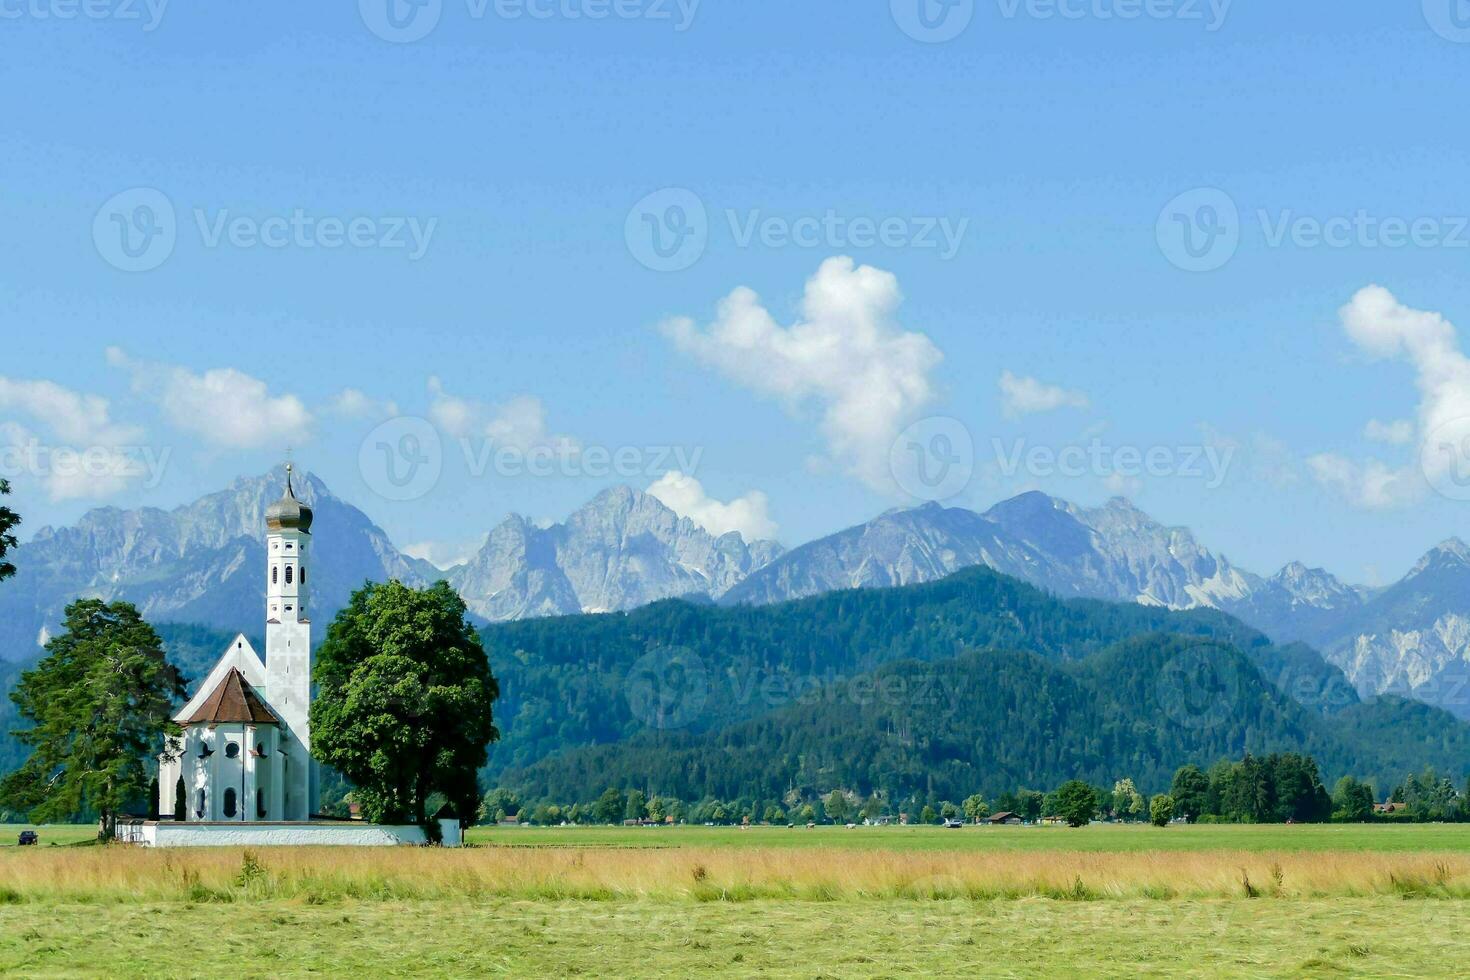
x,y
1219,901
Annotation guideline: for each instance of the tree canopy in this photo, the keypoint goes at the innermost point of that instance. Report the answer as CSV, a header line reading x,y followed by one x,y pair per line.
x,y
403,708
9,520
100,704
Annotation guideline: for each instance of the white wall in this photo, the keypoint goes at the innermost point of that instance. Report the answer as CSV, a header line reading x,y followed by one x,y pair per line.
x,y
247,834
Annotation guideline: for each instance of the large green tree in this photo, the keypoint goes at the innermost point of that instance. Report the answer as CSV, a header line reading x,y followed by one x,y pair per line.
x,y
1076,802
403,708
9,520
100,704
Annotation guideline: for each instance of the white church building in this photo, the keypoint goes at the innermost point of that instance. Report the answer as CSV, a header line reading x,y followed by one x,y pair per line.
x,y
243,765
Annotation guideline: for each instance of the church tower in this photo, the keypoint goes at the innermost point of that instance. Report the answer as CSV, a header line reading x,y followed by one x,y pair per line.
x,y
288,646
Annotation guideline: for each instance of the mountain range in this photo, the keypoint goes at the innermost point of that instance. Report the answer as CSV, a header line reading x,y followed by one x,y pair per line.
x,y
201,564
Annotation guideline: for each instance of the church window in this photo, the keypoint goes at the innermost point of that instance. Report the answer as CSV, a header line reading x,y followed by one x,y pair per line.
x,y
289,546
260,804
199,810
275,575
288,574
232,750
303,576
288,609
230,807
205,751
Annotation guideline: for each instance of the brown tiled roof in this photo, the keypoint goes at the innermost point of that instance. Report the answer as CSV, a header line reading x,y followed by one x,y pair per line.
x,y
233,701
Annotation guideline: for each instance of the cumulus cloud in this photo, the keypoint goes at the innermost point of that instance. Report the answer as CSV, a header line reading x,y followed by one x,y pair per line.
x,y
352,403
444,555
1397,433
82,453
1027,396
519,423
228,408
1383,327
844,354
685,496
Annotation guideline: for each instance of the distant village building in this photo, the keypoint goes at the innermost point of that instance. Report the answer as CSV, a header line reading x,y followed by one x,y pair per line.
x,y
1005,817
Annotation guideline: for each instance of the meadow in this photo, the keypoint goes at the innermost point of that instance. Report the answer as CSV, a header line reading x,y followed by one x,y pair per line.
x,y
1368,900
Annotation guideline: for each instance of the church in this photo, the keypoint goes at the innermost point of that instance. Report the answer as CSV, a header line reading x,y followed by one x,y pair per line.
x,y
242,772
245,754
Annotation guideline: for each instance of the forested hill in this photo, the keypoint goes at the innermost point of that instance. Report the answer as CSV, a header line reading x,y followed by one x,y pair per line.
x,y
995,721
593,680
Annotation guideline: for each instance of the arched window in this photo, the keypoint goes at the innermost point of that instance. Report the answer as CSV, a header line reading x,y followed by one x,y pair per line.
x,y
260,804
288,574
230,807
199,810
232,750
303,575
275,575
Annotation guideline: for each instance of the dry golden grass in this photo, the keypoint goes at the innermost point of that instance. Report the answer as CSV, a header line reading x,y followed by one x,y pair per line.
x,y
308,875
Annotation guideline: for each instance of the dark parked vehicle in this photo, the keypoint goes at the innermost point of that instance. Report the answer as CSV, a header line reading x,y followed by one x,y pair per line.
x,y
29,837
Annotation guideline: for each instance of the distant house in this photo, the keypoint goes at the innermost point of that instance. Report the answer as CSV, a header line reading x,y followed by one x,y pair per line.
x,y
1005,817
1387,809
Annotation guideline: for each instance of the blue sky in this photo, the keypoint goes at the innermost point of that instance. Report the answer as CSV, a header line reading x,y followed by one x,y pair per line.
x,y
496,174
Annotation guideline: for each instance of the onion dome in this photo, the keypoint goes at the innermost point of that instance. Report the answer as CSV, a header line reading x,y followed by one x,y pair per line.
x,y
288,513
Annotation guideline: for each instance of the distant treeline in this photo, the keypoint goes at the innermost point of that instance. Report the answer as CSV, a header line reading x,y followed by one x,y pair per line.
x,y
1279,788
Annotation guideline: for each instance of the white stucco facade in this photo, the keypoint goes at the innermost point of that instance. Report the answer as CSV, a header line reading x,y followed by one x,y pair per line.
x,y
319,833
245,754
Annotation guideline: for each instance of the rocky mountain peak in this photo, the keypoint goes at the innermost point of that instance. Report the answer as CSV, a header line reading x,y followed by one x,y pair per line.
x,y
1448,555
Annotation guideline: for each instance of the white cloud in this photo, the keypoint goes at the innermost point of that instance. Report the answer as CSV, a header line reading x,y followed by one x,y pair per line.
x,y
1383,327
83,454
1027,396
1397,433
519,423
444,555
354,404
685,496
845,354
226,407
